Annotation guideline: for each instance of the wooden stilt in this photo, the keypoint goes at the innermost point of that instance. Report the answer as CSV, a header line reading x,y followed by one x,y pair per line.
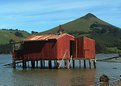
x,y
55,64
69,63
37,64
14,64
80,63
24,64
84,63
28,64
41,63
73,63
89,64
50,64
33,64
94,62
65,63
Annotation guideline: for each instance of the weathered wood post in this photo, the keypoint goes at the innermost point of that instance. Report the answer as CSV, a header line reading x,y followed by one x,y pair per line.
x,y
36,63
94,62
14,63
56,65
28,63
50,64
41,64
89,64
80,63
65,63
24,64
73,63
33,63
84,63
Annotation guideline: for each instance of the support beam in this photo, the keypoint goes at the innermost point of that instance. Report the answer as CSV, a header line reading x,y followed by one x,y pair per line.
x,y
41,63
24,64
14,64
33,63
49,64
94,62
56,65
73,63
89,64
84,63
28,64
36,63
80,63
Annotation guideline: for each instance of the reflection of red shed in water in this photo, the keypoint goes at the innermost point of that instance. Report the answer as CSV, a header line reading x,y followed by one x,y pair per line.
x,y
85,48
46,47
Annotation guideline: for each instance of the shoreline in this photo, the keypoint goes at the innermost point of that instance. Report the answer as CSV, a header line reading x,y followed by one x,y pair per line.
x,y
116,59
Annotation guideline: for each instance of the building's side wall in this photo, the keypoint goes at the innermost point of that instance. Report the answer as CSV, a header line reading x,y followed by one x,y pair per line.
x,y
89,48
85,48
39,50
63,46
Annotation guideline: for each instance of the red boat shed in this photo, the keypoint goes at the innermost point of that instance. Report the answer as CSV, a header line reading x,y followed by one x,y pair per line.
x,y
46,47
62,47
85,48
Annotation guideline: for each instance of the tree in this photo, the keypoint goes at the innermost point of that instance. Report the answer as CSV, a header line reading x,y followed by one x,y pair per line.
x,y
18,34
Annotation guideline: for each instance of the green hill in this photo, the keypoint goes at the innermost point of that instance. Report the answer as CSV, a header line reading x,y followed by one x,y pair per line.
x,y
107,36
81,24
10,35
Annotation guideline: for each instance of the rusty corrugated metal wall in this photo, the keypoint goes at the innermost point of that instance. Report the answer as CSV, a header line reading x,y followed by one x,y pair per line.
x,y
56,48
46,49
63,47
36,50
85,48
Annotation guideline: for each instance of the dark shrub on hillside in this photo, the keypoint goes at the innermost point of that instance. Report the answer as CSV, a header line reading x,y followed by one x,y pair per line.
x,y
18,34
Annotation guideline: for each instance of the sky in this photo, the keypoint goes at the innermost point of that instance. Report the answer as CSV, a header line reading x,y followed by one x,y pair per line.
x,y
42,15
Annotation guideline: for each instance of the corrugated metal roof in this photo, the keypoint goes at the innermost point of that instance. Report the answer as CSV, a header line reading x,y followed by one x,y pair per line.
x,y
45,37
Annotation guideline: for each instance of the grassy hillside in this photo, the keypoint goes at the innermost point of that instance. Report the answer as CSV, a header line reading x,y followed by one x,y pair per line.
x,y
8,35
107,36
79,25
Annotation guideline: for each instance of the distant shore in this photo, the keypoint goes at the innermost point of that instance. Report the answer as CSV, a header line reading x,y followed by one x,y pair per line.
x,y
112,59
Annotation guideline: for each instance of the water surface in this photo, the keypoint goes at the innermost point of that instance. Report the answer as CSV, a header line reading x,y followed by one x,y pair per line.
x,y
54,77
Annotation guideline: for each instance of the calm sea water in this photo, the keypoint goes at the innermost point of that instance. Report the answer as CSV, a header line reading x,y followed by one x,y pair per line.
x,y
54,77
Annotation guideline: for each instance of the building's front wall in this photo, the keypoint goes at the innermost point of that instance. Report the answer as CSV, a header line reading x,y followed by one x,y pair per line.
x,y
63,47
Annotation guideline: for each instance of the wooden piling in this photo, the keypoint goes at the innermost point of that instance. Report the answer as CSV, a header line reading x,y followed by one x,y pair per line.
x,y
89,64
28,64
14,64
94,62
84,63
41,63
33,64
56,65
36,63
73,63
24,64
80,63
65,63
50,64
